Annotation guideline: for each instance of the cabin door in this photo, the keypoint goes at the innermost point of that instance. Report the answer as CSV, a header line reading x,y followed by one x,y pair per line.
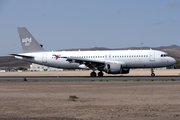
x,y
151,56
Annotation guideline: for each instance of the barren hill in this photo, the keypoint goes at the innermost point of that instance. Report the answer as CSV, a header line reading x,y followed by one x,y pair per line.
x,y
10,61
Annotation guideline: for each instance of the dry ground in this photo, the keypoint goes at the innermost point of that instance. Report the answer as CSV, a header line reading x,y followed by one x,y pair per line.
x,y
138,100
141,72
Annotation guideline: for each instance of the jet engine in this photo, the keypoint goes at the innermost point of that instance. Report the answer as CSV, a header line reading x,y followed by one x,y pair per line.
x,y
116,68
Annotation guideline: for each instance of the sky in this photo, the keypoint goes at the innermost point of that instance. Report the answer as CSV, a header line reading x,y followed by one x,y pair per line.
x,y
65,24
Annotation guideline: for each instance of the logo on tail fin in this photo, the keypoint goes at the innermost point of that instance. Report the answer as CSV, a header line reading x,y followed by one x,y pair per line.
x,y
57,56
27,41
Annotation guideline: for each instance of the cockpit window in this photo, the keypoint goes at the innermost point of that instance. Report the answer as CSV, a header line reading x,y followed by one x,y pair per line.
x,y
164,55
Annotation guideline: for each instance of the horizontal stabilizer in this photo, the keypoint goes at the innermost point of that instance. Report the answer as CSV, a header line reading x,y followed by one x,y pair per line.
x,y
22,55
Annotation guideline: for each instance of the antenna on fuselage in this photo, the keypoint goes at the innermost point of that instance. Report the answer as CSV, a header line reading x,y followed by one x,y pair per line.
x,y
141,45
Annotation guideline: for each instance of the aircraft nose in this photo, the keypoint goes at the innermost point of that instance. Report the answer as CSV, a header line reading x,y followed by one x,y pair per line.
x,y
173,61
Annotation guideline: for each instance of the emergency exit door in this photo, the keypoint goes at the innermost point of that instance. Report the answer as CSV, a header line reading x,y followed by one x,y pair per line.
x,y
44,58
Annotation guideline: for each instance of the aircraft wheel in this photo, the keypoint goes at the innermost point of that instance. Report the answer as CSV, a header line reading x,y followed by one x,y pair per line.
x,y
100,74
93,74
152,75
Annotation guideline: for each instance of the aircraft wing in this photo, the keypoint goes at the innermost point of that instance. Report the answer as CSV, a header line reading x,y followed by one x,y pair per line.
x,y
88,62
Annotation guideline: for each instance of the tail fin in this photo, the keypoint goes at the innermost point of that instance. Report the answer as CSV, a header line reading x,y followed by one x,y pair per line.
x,y
28,42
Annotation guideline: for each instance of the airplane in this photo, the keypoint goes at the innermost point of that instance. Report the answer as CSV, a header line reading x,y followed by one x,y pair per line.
x,y
108,61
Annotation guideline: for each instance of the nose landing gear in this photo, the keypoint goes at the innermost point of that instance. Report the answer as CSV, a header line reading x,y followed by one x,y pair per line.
x,y
152,73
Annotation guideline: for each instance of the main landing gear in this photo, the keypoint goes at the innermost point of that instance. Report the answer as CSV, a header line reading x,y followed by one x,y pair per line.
x,y
152,72
100,74
93,74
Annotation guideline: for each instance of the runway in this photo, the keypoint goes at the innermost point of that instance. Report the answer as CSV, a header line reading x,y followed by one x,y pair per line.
x,y
87,78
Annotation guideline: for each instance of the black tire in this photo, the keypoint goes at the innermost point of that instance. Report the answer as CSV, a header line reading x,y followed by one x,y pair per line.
x,y
152,75
93,74
100,74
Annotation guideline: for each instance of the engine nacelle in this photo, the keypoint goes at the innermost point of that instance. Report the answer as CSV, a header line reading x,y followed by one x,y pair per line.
x,y
116,68
112,68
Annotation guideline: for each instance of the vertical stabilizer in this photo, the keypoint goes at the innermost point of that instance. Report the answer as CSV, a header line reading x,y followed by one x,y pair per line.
x,y
28,42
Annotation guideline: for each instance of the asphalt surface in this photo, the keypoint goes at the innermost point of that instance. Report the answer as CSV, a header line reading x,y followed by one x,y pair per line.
x,y
87,78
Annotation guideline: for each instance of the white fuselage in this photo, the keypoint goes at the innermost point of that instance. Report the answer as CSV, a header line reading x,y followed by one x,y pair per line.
x,y
130,58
